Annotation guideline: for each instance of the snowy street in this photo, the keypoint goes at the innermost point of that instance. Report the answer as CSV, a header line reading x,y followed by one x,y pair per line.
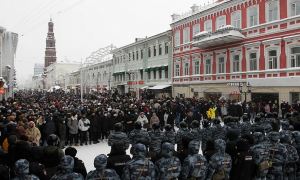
x,y
87,153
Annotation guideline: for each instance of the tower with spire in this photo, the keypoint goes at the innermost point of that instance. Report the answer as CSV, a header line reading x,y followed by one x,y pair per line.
x,y
50,52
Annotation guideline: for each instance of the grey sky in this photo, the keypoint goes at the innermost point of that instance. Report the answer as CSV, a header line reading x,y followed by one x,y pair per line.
x,y
83,26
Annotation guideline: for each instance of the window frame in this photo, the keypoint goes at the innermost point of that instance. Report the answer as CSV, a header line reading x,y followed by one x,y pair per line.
x,y
295,56
159,49
186,68
290,4
236,69
256,15
237,14
220,24
186,35
206,23
277,13
271,59
177,38
196,31
224,65
210,66
251,59
177,70
196,67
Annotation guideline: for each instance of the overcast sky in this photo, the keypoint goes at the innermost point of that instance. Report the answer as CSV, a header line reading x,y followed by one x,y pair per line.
x,y
83,26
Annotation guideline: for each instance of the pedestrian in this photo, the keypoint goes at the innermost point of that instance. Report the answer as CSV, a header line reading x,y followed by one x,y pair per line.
x,y
84,126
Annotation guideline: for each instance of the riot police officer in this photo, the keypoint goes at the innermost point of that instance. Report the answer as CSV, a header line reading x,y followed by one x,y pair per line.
x,y
101,172
139,168
195,165
169,166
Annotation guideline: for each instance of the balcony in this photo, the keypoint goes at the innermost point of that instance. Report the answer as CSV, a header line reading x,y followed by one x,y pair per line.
x,y
224,35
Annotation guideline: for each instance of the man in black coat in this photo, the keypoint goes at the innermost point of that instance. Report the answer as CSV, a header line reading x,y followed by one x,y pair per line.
x,y
94,128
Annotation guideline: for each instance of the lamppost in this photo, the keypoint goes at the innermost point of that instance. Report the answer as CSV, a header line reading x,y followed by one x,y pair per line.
x,y
244,91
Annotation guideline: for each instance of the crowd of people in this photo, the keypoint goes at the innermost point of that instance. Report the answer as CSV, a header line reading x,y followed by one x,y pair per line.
x,y
169,138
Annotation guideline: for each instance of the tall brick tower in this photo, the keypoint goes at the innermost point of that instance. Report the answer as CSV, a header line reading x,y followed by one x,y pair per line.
x,y
50,52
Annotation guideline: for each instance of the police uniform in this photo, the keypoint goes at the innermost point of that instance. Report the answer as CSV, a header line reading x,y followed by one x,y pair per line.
x,y
101,172
168,167
156,136
220,163
195,165
139,136
22,170
260,153
139,168
292,156
278,156
66,170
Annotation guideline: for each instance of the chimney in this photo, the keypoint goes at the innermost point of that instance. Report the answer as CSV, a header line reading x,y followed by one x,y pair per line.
x,y
194,8
175,16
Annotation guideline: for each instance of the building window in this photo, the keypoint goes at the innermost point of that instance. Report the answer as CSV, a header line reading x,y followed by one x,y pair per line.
x,y
272,12
221,65
253,61
295,8
196,29
295,57
149,52
159,49
166,73
137,55
236,63
186,69
272,59
208,26
177,38
221,22
159,74
196,67
208,66
166,48
236,19
186,35
133,56
129,56
154,74
149,74
177,70
253,16
154,50
142,54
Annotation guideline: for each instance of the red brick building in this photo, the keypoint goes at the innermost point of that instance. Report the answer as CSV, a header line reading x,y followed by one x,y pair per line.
x,y
50,52
231,42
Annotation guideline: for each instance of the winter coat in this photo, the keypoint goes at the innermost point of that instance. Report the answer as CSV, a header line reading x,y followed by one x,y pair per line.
x,y
154,119
143,120
84,124
34,135
73,125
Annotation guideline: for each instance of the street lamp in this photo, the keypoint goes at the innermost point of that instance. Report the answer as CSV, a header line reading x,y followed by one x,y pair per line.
x,y
246,91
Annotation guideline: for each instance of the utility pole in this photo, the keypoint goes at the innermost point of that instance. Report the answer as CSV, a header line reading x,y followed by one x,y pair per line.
x,y
81,82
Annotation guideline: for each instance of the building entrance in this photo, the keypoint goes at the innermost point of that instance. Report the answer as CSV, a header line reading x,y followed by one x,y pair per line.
x,y
265,97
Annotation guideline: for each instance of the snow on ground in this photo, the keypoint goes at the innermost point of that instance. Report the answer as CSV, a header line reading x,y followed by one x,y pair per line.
x,y
87,153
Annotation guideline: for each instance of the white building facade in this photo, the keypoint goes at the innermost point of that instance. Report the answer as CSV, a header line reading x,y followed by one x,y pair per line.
x,y
56,74
144,64
8,48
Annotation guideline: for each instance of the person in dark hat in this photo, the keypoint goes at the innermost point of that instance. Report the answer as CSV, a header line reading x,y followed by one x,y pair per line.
x,y
79,166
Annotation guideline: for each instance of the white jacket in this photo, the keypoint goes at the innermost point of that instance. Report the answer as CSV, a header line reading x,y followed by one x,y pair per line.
x,y
84,124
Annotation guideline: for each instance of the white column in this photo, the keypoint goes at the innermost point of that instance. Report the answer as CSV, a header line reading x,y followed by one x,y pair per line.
x,y
157,73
